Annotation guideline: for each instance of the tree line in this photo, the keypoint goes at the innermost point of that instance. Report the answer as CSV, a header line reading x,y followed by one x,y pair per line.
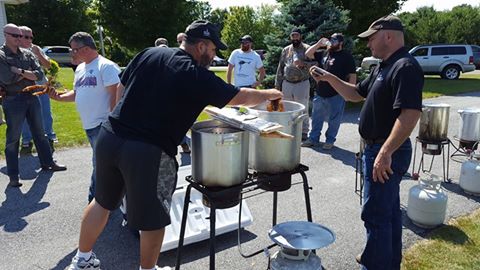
x,y
131,25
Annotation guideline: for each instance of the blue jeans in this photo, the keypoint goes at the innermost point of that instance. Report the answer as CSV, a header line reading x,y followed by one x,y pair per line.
x,y
381,212
326,110
92,135
47,121
18,108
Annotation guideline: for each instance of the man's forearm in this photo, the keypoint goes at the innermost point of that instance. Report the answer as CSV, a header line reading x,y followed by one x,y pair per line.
x,y
347,90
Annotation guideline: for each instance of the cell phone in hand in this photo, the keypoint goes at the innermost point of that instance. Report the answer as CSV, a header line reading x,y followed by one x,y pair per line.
x,y
318,71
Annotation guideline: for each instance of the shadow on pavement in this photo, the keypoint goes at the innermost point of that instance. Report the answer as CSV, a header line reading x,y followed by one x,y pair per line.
x,y
28,165
18,205
455,188
345,156
201,249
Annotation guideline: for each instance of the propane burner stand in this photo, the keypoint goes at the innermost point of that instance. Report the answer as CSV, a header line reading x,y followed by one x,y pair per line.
x,y
253,182
432,148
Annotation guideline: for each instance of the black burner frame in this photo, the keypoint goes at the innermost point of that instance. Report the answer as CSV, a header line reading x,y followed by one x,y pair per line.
x,y
446,160
253,182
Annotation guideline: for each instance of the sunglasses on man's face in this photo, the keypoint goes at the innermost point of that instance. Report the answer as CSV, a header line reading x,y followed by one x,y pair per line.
x,y
28,37
14,35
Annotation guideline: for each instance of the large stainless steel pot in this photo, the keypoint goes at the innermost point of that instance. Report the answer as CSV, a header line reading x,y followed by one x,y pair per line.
x,y
470,125
219,154
277,155
434,122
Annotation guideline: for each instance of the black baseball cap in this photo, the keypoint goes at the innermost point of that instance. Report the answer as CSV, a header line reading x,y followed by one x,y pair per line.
x,y
295,30
338,36
388,22
246,38
206,30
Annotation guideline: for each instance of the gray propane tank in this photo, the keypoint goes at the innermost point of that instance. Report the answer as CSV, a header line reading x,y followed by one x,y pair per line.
x,y
470,175
281,262
427,202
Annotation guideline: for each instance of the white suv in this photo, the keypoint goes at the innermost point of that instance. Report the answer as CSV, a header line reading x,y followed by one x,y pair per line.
x,y
446,60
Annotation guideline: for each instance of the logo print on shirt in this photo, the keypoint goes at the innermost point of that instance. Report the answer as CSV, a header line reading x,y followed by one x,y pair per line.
x,y
380,77
87,80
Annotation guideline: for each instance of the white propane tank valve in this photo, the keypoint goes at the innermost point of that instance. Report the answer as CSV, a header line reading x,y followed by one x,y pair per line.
x,y
427,202
470,175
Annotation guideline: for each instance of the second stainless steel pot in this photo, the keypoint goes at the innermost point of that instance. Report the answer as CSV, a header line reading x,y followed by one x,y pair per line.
x,y
219,154
277,155
470,125
434,122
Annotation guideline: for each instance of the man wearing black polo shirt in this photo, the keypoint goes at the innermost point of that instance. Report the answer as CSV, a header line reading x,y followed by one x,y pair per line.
x,y
164,91
328,105
393,103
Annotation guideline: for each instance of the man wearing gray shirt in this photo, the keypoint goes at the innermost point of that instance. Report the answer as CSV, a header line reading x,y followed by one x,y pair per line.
x,y
18,69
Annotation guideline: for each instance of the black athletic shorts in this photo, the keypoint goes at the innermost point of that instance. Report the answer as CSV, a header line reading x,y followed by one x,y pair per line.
x,y
143,171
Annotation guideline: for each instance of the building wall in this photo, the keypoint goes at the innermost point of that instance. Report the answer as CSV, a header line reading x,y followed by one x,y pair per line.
x,y
3,21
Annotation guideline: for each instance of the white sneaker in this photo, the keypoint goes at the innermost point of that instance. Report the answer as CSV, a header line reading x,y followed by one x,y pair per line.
x,y
163,268
81,264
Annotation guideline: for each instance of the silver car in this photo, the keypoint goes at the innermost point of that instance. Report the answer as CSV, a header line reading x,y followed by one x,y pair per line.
x,y
61,54
446,60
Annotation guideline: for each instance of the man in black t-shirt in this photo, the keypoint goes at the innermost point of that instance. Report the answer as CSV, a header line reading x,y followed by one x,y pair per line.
x,y
164,91
393,105
328,105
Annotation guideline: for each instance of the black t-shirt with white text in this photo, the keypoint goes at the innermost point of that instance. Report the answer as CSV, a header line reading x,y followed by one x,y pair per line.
x,y
339,63
394,85
165,91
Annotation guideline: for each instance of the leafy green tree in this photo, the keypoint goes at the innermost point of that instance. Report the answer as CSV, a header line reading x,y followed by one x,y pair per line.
x,y
137,23
218,16
426,26
363,13
239,22
247,21
200,10
52,21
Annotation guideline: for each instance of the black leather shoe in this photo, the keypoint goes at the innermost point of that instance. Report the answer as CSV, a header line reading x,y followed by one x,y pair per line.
x,y
55,167
14,183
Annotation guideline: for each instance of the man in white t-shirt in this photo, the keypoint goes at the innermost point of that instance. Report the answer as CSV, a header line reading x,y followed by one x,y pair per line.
x,y
245,62
95,87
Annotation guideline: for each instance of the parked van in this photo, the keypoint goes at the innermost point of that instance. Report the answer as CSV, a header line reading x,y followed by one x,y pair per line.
x,y
446,60
61,54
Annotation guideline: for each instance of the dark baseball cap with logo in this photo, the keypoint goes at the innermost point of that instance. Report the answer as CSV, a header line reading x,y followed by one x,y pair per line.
x,y
205,30
388,22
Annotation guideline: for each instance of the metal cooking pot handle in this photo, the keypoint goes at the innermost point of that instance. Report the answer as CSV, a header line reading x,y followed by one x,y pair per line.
x,y
297,119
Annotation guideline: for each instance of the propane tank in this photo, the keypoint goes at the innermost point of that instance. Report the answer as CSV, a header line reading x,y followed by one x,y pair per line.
x,y
470,175
281,261
427,202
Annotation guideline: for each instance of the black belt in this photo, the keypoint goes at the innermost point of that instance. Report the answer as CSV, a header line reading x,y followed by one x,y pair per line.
x,y
295,81
373,141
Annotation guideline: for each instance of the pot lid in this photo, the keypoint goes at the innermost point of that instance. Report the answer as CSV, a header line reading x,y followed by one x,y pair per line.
x,y
436,105
301,235
469,110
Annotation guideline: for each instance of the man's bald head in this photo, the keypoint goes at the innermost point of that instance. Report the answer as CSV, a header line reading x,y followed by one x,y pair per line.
x,y
11,28
13,36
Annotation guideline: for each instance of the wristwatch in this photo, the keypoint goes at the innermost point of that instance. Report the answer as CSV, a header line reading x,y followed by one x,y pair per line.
x,y
22,71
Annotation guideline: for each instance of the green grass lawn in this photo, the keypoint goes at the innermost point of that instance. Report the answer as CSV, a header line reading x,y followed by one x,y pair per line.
x,y
455,246
70,133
